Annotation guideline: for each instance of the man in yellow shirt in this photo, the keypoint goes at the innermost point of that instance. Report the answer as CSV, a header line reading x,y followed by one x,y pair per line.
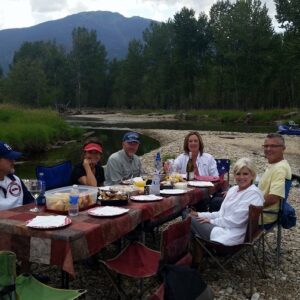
x,y
272,183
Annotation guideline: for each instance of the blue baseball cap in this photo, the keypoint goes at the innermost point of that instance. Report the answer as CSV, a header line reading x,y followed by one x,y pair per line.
x,y
131,137
7,152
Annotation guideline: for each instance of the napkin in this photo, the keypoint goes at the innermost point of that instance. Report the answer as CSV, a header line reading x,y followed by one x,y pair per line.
x,y
146,197
207,178
47,221
200,183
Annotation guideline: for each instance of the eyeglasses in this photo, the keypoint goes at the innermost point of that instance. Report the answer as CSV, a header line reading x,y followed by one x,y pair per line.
x,y
271,146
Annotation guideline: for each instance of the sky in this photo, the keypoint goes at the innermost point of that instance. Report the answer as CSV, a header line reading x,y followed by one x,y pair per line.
x,y
25,13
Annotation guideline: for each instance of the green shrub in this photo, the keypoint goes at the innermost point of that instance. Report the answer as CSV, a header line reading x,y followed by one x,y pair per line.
x,y
33,129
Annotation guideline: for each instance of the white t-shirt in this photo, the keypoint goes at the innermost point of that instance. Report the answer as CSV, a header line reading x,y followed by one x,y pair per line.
x,y
11,193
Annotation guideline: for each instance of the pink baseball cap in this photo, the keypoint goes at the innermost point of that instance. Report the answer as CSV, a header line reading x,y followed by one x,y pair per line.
x,y
93,146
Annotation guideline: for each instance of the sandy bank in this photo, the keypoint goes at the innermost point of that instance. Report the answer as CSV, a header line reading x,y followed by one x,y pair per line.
x,y
220,144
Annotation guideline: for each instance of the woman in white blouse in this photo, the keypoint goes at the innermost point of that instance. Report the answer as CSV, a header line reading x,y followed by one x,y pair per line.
x,y
228,225
204,163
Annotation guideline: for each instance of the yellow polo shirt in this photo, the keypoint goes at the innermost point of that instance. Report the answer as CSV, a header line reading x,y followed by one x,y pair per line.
x,y
273,182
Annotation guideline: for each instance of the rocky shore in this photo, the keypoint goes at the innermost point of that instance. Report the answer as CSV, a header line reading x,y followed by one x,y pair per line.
x,y
282,283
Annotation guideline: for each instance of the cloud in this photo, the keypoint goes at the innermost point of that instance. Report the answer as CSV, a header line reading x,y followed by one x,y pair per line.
x,y
42,6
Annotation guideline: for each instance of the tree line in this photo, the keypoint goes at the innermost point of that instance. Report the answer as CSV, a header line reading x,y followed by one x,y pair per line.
x,y
232,58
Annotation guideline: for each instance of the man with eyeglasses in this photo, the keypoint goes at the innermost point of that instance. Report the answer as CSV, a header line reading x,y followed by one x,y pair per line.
x,y
272,182
124,164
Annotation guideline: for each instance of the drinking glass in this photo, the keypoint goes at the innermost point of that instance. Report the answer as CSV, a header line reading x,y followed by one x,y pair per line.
x,y
35,188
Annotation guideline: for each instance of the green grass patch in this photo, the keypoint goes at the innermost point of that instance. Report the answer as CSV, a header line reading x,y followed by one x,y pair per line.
x,y
33,129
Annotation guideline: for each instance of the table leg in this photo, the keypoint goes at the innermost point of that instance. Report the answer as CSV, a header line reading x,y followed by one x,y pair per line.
x,y
64,279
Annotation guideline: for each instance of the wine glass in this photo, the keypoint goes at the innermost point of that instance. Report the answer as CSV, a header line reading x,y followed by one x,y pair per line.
x,y
35,188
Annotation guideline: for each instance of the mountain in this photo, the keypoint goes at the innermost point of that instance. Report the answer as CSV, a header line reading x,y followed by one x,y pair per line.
x,y
113,30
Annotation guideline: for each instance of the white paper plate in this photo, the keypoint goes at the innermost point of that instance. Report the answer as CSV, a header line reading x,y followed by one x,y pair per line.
x,y
172,192
200,183
48,222
107,211
146,198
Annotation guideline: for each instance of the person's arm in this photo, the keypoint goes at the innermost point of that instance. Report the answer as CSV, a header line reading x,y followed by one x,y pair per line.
x,y
271,199
239,216
277,189
180,164
212,167
113,172
89,178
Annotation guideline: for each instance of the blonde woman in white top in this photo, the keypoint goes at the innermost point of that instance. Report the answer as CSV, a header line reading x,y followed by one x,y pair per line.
x,y
228,225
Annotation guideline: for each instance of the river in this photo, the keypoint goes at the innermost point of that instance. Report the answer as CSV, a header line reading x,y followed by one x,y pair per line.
x,y
111,137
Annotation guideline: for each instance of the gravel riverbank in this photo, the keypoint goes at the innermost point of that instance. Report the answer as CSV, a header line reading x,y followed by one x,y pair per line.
x,y
281,284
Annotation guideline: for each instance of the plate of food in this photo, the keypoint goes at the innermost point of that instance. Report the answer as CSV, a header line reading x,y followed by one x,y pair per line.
x,y
146,198
48,222
113,197
127,181
107,211
172,192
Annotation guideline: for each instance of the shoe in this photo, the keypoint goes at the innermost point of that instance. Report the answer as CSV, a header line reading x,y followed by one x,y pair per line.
x,y
92,263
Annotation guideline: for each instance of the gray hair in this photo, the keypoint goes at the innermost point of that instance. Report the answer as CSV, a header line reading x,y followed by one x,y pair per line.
x,y
276,136
245,162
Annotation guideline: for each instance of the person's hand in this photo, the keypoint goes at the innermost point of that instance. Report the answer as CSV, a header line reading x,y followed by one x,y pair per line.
x,y
193,212
166,167
224,194
203,219
87,163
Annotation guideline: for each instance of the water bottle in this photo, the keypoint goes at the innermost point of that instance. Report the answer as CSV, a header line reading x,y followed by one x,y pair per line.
x,y
41,199
73,201
155,186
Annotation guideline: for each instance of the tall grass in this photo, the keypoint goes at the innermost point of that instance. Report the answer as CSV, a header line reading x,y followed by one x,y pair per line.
x,y
33,129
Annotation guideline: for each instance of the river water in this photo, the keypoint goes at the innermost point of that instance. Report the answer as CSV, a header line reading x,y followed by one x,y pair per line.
x,y
111,137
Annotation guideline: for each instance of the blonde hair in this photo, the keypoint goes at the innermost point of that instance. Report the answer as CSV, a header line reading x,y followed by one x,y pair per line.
x,y
245,162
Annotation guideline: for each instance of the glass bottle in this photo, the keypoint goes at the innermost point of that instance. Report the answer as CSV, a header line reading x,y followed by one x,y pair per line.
x,y
41,199
190,168
155,186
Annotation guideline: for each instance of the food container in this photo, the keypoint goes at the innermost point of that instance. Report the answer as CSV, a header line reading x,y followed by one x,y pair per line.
x,y
113,197
58,199
180,185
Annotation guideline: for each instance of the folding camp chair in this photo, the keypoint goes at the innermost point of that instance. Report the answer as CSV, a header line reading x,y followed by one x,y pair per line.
x,y
55,176
26,287
222,254
139,261
277,224
223,166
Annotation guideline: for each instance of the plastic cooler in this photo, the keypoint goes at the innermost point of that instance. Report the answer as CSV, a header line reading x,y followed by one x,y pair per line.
x,y
58,199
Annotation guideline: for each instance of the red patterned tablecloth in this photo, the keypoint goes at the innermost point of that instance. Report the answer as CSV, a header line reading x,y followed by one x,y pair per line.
x,y
85,236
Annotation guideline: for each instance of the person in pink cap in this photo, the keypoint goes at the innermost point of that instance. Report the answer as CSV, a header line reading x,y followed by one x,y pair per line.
x,y
89,171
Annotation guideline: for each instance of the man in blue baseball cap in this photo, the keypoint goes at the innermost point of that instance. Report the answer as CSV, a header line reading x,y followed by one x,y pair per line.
x,y
124,164
13,192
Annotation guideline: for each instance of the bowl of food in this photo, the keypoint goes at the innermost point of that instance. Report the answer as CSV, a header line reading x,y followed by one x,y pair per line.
x,y
58,199
113,197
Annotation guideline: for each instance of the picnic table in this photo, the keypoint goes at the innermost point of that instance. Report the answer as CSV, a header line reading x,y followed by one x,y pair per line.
x,y
86,235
